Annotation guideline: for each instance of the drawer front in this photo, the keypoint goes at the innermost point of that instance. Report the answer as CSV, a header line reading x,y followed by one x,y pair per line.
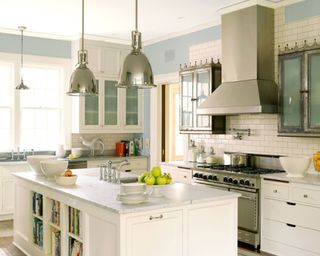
x,y
298,237
304,195
182,176
137,164
300,215
275,190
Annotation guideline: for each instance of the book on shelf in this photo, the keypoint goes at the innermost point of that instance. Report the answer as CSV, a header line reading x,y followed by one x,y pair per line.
x,y
75,247
55,212
37,203
38,232
55,243
74,221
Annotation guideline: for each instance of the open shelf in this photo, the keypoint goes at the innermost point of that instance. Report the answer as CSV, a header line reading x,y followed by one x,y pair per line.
x,y
37,216
75,247
54,226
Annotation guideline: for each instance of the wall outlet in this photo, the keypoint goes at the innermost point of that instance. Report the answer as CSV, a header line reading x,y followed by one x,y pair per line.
x,y
146,142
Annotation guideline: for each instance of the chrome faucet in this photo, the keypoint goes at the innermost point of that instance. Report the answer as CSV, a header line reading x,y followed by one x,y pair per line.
x,y
111,174
18,154
91,144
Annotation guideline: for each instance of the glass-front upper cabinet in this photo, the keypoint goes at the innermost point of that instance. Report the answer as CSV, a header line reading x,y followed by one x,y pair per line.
x,y
196,84
132,107
299,93
91,109
111,116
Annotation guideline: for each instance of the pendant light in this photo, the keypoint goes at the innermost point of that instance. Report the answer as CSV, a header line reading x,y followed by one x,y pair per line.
x,y
21,86
82,81
136,71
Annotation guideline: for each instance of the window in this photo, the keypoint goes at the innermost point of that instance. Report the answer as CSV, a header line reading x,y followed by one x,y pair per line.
x,y
6,102
33,119
41,108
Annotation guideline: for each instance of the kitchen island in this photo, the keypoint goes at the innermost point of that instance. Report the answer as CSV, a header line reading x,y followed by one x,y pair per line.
x,y
86,217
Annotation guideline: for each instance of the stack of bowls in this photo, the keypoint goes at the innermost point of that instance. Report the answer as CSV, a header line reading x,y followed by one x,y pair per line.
x,y
132,193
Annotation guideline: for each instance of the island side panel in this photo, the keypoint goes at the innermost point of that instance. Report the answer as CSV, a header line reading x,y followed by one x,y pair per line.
x,y
213,226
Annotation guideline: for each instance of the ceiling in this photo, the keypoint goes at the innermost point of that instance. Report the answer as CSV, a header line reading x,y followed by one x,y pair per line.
x,y
112,18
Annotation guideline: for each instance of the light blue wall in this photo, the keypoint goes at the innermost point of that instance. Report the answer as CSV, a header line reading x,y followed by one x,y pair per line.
x,y
35,46
302,10
166,56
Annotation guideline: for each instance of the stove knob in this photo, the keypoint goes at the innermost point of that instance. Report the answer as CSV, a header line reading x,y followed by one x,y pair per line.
x,y
210,177
200,175
215,177
196,175
242,181
247,183
205,177
225,179
230,180
235,182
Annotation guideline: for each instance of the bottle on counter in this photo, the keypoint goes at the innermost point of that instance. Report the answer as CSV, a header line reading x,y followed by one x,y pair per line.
x,y
192,152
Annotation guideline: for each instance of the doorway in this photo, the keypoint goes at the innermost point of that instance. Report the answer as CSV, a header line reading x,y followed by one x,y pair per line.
x,y
172,146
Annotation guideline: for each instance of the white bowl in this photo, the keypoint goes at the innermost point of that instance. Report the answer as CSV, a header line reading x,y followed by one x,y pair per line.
x,y
34,162
77,152
66,180
51,168
132,188
295,166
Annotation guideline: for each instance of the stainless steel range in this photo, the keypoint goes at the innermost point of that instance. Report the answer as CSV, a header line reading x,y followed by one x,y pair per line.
x,y
243,180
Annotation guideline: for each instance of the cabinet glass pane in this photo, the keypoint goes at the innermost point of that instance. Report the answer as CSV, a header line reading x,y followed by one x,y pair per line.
x,y
110,103
132,117
291,98
91,111
202,92
314,87
186,104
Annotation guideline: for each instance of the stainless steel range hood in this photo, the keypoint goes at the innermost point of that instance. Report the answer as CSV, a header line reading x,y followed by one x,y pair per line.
x,y
247,65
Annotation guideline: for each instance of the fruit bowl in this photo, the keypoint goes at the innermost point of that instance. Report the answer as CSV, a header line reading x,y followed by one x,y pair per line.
x,y
66,180
156,190
316,161
295,166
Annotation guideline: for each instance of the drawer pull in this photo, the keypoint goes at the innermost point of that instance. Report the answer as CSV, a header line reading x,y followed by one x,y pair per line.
x,y
289,203
291,225
156,217
275,191
185,176
128,171
305,196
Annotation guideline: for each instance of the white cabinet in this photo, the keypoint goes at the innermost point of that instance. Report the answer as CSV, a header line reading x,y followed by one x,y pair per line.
x,y
290,218
166,231
7,194
178,174
136,165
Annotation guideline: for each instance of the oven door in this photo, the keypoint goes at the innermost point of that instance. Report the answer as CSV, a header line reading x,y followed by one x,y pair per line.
x,y
248,210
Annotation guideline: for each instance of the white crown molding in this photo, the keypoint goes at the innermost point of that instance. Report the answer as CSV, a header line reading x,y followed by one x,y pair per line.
x,y
247,3
215,22
103,39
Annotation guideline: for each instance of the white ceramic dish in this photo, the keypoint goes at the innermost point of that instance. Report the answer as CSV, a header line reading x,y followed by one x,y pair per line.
x,y
132,198
51,168
132,188
295,166
66,180
34,162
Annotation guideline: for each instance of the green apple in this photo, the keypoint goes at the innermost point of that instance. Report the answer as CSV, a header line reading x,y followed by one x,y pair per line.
x,y
161,180
149,180
156,171
143,176
169,178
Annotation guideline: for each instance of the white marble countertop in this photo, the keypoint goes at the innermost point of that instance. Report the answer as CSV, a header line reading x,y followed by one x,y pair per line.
x,y
311,179
103,194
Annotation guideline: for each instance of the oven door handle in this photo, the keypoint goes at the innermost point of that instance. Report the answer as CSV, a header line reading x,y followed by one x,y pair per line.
x,y
247,197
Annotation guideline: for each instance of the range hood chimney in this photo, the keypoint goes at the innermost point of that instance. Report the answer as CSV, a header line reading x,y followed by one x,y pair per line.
x,y
248,84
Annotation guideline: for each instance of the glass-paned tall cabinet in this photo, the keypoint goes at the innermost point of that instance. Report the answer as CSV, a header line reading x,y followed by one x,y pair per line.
x,y
196,84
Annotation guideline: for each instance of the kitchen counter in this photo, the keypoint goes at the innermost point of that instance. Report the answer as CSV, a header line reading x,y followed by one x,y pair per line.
x,y
172,225
311,179
94,158
103,194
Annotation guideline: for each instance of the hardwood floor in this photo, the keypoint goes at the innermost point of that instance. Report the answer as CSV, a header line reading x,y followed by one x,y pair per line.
x,y
8,249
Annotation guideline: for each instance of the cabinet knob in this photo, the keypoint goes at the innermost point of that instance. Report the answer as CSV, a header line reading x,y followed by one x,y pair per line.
x,y
156,217
305,196
275,191
185,176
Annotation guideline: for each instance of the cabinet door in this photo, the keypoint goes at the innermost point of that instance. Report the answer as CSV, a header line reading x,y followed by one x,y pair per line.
x,y
111,104
314,91
202,91
133,102
291,99
94,58
111,61
7,195
165,228
91,109
186,107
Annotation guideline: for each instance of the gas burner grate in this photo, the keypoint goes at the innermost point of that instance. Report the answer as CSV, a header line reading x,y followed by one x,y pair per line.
x,y
211,166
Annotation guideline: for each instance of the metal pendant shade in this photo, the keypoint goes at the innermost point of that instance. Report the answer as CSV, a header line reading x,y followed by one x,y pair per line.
x,y
136,71
21,86
82,81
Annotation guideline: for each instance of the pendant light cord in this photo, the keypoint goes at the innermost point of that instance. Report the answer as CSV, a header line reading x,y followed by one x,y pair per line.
x,y
21,57
136,15
82,32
